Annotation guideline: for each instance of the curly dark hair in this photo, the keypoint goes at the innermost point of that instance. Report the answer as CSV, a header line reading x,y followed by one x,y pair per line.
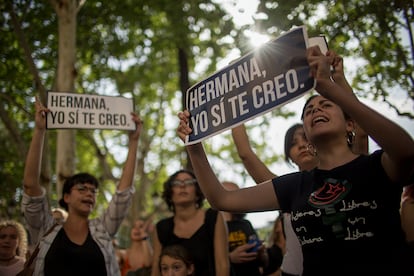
x,y
167,192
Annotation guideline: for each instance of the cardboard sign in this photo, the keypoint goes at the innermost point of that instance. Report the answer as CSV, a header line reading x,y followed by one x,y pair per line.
x,y
82,111
260,81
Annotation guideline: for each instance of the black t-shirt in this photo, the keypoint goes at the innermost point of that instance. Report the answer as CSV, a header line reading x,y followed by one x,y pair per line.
x,y
67,258
347,219
200,244
239,233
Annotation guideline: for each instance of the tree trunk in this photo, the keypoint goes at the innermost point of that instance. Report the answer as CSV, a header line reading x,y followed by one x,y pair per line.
x,y
66,74
184,85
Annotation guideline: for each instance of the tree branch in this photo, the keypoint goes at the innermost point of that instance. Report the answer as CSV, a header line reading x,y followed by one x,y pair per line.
x,y
27,51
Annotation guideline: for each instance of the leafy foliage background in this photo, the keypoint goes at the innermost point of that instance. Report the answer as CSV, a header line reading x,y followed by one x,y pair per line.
x,y
152,51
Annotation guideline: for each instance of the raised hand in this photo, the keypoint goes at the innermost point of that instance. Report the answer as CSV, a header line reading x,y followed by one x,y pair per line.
x,y
320,64
183,128
134,135
40,114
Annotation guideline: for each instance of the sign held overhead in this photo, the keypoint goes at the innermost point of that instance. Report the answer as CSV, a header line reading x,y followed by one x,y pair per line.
x,y
269,77
83,111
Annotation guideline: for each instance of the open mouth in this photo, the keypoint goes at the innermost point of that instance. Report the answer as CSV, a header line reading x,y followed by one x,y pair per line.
x,y
88,201
319,119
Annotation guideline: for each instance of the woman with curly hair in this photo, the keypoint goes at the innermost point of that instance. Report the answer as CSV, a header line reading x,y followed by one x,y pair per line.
x,y
13,247
201,231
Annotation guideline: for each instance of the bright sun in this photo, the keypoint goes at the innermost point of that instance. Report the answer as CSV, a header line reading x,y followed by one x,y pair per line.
x,y
243,12
256,39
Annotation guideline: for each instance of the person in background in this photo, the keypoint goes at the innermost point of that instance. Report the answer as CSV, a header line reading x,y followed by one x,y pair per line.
x,y
13,247
201,231
79,246
246,257
175,260
138,256
117,248
345,212
407,213
297,151
276,249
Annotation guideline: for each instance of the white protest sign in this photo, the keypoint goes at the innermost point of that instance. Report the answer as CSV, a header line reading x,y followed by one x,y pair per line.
x,y
269,77
83,111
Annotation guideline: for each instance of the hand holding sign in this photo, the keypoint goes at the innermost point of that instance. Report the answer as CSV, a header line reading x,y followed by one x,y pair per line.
x,y
320,64
134,135
183,129
40,114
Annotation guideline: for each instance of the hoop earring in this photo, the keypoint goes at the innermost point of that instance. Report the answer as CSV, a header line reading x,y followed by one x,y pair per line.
x,y
350,138
311,149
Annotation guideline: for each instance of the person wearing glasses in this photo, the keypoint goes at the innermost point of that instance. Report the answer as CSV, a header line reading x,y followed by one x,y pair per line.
x,y
79,246
200,230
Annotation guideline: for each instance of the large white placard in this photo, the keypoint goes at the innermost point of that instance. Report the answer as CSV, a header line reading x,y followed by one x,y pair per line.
x,y
83,111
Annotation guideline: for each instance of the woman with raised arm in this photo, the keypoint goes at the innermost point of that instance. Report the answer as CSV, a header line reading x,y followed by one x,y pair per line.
x,y
79,246
345,212
137,258
298,152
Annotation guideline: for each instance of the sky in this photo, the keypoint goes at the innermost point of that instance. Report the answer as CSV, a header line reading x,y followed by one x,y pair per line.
x,y
243,14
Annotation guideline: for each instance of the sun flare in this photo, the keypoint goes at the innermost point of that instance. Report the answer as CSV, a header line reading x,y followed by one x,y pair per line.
x,y
256,39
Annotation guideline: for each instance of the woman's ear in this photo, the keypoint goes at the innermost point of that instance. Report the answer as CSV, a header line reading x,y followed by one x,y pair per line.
x,y
350,125
190,269
66,198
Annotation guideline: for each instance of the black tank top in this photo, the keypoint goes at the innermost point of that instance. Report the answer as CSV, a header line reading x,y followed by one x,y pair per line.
x,y
200,244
